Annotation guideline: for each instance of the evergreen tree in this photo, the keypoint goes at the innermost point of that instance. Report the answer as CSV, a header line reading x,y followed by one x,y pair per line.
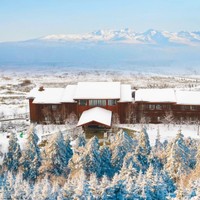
x,y
22,189
143,150
198,157
68,188
94,186
106,166
31,159
69,152
104,187
92,159
42,190
82,191
80,141
178,158
57,153
156,161
118,155
158,144
118,188
131,159
7,186
122,145
11,160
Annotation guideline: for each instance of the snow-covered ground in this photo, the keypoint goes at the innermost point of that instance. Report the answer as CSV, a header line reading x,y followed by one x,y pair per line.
x,y
166,132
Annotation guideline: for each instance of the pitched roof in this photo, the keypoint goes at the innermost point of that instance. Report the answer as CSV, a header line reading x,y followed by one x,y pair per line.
x,y
155,95
47,96
97,114
68,94
98,90
83,90
126,93
188,97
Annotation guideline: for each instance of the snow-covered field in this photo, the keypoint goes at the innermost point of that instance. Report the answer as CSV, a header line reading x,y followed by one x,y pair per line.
x,y
166,132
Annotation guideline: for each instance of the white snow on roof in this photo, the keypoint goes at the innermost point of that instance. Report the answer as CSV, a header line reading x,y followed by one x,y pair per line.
x,y
155,95
49,96
33,93
68,95
98,90
126,93
188,97
96,114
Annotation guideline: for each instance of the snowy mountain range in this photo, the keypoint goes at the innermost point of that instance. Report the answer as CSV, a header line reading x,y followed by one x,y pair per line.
x,y
150,51
151,36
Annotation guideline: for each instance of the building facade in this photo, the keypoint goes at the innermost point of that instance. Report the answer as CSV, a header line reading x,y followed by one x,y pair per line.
x,y
115,102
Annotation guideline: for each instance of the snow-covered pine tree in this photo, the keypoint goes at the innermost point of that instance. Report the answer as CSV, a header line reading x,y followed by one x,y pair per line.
x,y
69,152
120,147
22,189
94,186
128,172
144,143
193,191
155,159
178,158
106,166
92,159
118,155
11,160
143,150
192,145
198,158
118,188
131,159
42,189
104,186
82,191
80,141
7,186
158,143
56,156
68,188
31,159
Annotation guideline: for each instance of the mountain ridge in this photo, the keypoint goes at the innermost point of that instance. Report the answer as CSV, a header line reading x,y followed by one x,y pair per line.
x,y
128,36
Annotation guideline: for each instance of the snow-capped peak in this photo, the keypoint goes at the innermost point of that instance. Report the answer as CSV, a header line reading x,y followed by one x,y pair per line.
x,y
126,35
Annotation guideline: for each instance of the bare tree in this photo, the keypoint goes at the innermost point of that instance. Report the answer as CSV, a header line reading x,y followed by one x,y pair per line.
x,y
130,114
115,119
168,118
47,114
72,119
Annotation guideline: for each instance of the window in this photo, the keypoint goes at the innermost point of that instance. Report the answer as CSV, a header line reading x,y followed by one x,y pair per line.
x,y
83,102
193,107
166,107
185,107
112,102
151,106
158,107
54,107
98,102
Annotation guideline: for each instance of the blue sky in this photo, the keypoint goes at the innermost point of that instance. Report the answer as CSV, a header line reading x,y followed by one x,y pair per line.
x,y
25,19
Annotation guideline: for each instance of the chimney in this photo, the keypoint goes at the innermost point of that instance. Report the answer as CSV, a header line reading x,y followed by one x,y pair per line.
x,y
41,88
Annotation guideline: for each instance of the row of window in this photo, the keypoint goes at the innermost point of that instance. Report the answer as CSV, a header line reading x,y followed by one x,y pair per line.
x,y
98,102
168,107
157,107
